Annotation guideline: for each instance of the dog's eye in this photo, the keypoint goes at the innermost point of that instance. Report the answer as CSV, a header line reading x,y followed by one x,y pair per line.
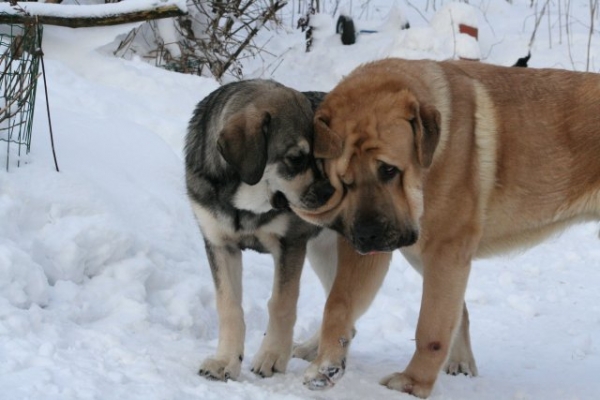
x,y
297,161
387,172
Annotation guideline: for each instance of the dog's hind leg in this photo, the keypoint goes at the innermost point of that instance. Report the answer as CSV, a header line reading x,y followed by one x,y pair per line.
x,y
276,348
226,266
308,349
461,359
322,255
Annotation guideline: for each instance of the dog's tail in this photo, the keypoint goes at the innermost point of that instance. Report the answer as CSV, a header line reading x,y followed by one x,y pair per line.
x,y
523,61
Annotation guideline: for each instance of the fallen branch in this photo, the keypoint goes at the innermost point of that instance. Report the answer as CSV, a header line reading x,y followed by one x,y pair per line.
x,y
73,16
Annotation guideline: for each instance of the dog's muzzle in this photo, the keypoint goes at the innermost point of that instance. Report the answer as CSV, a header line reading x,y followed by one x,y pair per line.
x,y
279,201
317,194
369,236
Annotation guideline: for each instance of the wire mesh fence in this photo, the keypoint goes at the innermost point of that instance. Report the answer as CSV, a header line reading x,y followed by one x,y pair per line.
x,y
20,54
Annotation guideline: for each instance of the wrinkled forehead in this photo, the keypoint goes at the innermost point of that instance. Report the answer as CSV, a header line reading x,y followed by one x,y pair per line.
x,y
376,101
385,134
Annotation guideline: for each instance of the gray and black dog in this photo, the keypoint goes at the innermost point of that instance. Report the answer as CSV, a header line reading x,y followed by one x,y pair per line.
x,y
247,158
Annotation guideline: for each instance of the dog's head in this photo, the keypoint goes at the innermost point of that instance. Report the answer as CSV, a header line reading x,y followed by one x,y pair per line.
x,y
376,142
270,140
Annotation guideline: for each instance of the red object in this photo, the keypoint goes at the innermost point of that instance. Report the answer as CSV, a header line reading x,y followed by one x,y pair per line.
x,y
468,30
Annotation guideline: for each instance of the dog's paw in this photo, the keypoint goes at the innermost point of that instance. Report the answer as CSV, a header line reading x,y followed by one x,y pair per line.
x,y
456,367
217,369
461,361
268,362
307,350
324,375
406,384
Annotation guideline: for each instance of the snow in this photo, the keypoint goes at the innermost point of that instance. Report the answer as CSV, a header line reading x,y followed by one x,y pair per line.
x,y
450,16
447,21
105,289
168,32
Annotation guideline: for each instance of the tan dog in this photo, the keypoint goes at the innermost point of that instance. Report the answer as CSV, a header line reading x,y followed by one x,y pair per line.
x,y
447,161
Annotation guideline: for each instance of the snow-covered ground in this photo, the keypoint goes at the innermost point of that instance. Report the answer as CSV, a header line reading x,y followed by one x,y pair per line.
x,y
105,290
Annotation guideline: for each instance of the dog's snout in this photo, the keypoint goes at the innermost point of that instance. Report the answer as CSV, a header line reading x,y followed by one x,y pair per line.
x,y
368,235
324,191
279,201
318,194
374,235
408,238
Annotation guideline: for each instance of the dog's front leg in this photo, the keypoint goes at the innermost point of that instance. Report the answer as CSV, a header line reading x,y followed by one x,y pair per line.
x,y
276,348
226,267
356,283
445,274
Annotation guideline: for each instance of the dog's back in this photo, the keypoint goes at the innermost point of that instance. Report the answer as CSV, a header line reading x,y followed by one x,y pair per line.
x,y
552,114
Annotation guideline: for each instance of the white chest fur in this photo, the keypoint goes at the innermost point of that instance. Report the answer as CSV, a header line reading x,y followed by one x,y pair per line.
x,y
253,198
220,229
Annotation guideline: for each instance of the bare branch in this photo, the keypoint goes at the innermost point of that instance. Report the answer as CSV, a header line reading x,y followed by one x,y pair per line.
x,y
537,23
593,8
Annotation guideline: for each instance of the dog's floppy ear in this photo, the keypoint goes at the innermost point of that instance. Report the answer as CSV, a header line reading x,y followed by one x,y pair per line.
x,y
243,144
426,128
328,144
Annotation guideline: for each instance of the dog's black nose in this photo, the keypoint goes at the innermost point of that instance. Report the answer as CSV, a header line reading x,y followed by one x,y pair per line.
x,y
279,201
368,235
324,191
318,194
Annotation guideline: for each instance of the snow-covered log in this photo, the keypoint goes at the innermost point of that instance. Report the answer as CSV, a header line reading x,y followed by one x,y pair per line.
x,y
77,16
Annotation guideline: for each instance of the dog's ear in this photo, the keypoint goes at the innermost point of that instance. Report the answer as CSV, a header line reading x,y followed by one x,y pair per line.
x,y
328,144
426,128
243,144
315,98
